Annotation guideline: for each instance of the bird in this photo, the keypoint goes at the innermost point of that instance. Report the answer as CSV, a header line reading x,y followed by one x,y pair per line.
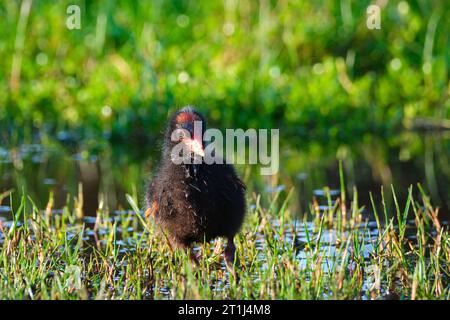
x,y
194,201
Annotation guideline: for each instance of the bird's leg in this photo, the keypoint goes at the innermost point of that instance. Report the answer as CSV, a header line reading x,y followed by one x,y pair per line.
x,y
193,257
218,247
230,253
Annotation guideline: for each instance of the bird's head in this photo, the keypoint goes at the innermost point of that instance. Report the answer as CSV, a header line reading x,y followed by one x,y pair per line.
x,y
187,127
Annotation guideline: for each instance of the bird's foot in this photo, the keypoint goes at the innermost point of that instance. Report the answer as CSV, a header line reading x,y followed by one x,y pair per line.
x,y
218,248
194,257
231,258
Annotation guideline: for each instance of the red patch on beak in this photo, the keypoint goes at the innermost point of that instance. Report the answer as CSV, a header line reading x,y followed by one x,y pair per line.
x,y
195,146
198,139
186,117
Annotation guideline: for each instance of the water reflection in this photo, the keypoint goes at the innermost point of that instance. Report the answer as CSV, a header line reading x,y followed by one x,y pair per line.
x,y
106,172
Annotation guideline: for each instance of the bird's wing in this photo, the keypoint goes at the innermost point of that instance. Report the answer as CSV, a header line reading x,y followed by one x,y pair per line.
x,y
152,204
152,209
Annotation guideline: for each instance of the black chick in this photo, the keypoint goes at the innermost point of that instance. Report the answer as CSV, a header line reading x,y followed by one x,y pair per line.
x,y
195,202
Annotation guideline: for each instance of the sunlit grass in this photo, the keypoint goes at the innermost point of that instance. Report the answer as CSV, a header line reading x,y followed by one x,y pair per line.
x,y
328,254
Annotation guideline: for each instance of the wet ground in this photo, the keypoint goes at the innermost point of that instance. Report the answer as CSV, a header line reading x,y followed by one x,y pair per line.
x,y
297,233
100,175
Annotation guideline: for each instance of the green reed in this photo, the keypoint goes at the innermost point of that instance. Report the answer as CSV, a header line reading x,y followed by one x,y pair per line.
x,y
45,255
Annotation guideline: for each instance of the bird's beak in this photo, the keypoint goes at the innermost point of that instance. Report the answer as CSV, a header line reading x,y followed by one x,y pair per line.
x,y
195,146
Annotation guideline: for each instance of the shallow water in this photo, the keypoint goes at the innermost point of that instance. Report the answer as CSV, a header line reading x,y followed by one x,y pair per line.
x,y
102,175
108,171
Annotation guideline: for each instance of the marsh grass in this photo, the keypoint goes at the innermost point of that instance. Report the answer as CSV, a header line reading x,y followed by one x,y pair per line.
x,y
328,254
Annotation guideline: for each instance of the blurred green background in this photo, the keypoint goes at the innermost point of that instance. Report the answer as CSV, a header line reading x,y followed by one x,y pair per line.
x,y
376,99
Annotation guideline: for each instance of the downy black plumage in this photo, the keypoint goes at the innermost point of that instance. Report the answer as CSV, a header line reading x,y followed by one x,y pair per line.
x,y
195,202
